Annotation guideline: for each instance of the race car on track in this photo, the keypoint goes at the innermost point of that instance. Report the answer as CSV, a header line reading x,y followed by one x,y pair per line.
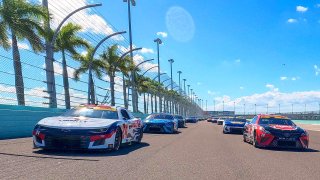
x,y
275,131
191,119
220,121
161,123
88,127
233,125
181,121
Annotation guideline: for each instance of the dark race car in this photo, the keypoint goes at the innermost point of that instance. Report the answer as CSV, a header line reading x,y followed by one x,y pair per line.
x,y
181,121
275,131
233,125
191,119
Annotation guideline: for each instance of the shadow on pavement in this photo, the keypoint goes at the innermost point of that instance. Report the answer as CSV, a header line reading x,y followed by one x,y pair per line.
x,y
290,150
162,133
46,157
124,150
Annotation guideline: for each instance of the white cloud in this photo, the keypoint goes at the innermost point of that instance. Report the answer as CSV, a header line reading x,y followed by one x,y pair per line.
x,y
89,21
272,87
283,78
301,9
21,45
58,70
162,34
145,66
273,99
295,78
316,69
291,20
146,50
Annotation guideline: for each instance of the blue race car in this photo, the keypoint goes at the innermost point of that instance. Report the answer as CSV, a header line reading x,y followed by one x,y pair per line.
x,y
233,125
161,123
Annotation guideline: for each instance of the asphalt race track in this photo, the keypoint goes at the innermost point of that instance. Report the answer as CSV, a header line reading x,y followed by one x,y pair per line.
x,y
200,151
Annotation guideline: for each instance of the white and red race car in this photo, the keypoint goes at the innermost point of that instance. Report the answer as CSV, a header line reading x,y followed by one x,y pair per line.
x,y
88,127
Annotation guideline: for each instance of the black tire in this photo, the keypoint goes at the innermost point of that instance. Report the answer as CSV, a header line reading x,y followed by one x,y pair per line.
x,y
117,140
244,138
140,136
254,141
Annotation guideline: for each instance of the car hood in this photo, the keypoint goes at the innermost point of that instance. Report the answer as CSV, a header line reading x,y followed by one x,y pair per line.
x,y
76,122
158,121
282,128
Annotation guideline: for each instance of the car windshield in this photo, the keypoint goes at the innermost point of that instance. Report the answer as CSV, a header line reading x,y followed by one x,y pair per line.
x,y
267,121
238,120
160,116
91,113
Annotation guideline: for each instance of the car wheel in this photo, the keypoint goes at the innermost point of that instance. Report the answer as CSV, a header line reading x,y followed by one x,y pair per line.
x,y
117,140
244,138
140,136
254,142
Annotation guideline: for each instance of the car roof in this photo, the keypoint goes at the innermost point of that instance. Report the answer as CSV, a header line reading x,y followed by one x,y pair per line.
x,y
98,107
268,116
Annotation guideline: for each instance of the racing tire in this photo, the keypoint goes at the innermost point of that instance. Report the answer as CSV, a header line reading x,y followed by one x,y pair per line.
x,y
117,140
244,138
139,139
254,141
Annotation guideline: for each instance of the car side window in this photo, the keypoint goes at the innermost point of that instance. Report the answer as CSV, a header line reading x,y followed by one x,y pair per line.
x,y
124,114
254,120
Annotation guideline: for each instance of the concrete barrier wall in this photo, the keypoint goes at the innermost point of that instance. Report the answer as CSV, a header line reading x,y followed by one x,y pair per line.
x,y
18,121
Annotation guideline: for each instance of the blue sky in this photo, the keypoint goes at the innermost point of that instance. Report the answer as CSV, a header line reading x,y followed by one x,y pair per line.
x,y
239,48
243,52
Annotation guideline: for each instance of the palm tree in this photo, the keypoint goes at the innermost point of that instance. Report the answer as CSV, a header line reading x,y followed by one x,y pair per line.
x,y
20,20
113,64
97,67
68,41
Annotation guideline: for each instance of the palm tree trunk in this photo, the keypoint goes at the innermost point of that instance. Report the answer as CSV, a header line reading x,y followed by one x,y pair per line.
x,y
144,103
155,103
124,87
18,71
65,81
151,103
112,89
148,103
93,97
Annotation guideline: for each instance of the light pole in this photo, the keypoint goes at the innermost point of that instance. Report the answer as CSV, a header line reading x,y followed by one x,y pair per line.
x,y
51,87
158,41
184,86
206,105
179,72
90,85
223,107
234,108
255,109
292,108
171,61
133,3
279,109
